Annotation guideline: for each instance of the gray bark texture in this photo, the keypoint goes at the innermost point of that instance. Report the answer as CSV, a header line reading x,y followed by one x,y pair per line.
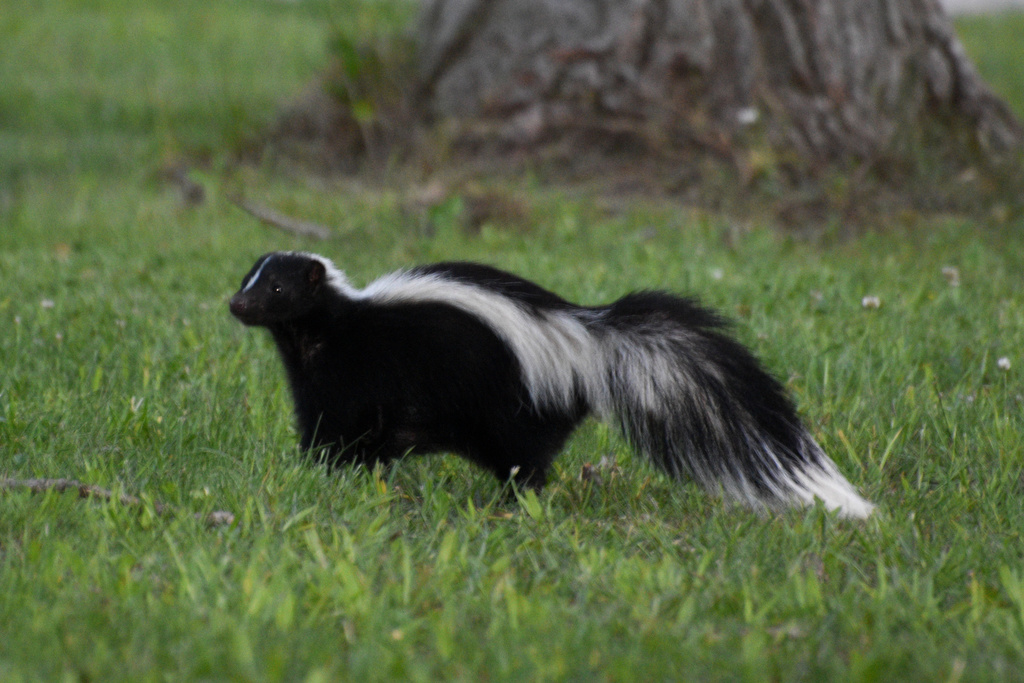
x,y
833,79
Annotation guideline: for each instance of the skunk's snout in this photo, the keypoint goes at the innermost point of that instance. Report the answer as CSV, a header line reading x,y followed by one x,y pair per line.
x,y
238,306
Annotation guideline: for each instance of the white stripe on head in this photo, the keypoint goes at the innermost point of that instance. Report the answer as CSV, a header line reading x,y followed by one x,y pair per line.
x,y
256,275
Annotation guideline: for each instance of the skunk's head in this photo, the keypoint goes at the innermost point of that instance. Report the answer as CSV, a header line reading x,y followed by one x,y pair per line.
x,y
282,286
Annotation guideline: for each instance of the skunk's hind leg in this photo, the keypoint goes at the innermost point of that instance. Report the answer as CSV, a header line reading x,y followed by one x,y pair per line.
x,y
527,467
524,449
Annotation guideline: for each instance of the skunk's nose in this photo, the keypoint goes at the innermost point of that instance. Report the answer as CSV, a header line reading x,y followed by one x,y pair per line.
x,y
237,306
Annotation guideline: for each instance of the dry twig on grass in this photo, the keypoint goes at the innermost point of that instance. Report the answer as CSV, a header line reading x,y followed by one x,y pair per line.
x,y
215,518
296,226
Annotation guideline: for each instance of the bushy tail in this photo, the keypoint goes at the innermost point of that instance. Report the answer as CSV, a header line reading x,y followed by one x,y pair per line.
x,y
697,402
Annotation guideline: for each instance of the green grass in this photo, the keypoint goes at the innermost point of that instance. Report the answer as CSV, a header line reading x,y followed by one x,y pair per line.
x,y
120,366
992,41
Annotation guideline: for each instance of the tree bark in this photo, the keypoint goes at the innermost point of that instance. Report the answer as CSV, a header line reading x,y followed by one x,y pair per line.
x,y
830,79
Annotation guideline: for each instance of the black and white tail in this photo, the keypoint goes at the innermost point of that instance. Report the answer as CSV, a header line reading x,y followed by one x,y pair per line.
x,y
697,402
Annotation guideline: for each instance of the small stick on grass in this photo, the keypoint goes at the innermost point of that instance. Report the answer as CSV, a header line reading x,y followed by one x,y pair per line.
x,y
274,219
215,518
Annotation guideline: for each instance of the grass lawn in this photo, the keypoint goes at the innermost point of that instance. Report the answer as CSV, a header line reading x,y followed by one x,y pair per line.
x,y
120,367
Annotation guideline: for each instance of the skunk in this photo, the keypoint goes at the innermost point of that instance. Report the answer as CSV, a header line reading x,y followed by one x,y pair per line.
x,y
465,358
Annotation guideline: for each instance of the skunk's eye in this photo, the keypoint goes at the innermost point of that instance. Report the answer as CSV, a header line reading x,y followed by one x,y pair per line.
x,y
276,289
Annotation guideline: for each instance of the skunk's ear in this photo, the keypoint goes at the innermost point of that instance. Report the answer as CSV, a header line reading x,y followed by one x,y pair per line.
x,y
316,275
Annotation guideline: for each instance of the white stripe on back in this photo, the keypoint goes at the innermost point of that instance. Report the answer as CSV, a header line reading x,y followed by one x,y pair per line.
x,y
555,349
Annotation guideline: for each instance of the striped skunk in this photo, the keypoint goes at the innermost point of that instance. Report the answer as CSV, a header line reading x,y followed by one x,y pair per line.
x,y
465,358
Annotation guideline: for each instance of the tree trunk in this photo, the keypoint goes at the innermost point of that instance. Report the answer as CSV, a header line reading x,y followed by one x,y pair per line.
x,y
831,79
